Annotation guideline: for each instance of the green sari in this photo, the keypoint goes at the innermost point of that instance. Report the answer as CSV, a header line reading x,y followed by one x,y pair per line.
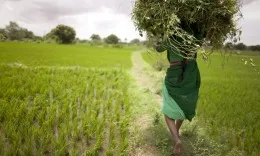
x,y
180,89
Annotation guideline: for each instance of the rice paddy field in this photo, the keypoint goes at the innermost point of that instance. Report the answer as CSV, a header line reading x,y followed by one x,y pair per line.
x,y
74,99
229,103
63,100
65,55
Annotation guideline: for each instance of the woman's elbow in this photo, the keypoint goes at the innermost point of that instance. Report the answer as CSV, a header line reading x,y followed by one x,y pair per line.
x,y
159,49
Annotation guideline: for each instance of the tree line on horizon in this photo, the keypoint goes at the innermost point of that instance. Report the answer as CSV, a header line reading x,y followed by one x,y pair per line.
x,y
63,34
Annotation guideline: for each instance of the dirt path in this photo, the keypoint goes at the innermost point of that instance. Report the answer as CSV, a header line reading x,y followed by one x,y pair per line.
x,y
143,80
144,83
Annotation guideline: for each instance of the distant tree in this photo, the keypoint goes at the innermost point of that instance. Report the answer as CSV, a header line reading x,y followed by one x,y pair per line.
x,y
240,46
3,35
2,38
2,31
38,38
62,34
27,34
14,31
95,37
229,45
51,36
84,41
254,48
135,41
77,40
112,39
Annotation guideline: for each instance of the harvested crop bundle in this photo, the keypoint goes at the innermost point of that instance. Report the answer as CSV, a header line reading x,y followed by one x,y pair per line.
x,y
186,25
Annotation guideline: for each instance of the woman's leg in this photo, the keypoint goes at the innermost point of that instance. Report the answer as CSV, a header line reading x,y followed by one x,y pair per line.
x,y
173,129
178,125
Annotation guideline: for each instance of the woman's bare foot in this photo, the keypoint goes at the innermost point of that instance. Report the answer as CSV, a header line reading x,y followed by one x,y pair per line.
x,y
177,148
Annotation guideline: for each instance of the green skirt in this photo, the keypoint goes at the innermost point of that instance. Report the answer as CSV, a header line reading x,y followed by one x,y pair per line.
x,y
180,95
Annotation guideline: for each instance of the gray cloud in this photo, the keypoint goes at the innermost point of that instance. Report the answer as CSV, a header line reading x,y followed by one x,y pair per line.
x,y
245,2
42,15
49,10
12,0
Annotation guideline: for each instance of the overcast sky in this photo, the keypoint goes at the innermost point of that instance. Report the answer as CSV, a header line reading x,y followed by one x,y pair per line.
x,y
99,16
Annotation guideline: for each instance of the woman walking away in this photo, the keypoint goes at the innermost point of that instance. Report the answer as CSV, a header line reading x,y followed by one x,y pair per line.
x,y
182,27
180,92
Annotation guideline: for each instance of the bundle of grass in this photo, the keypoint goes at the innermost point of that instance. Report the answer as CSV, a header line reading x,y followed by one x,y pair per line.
x,y
187,25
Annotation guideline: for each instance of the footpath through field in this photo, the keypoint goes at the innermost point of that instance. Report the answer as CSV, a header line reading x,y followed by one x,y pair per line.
x,y
144,77
144,117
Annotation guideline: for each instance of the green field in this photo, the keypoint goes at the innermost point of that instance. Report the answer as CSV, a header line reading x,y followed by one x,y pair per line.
x,y
63,100
229,103
75,100
64,55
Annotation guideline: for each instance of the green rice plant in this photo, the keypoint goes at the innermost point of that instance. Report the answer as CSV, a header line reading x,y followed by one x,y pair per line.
x,y
62,111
